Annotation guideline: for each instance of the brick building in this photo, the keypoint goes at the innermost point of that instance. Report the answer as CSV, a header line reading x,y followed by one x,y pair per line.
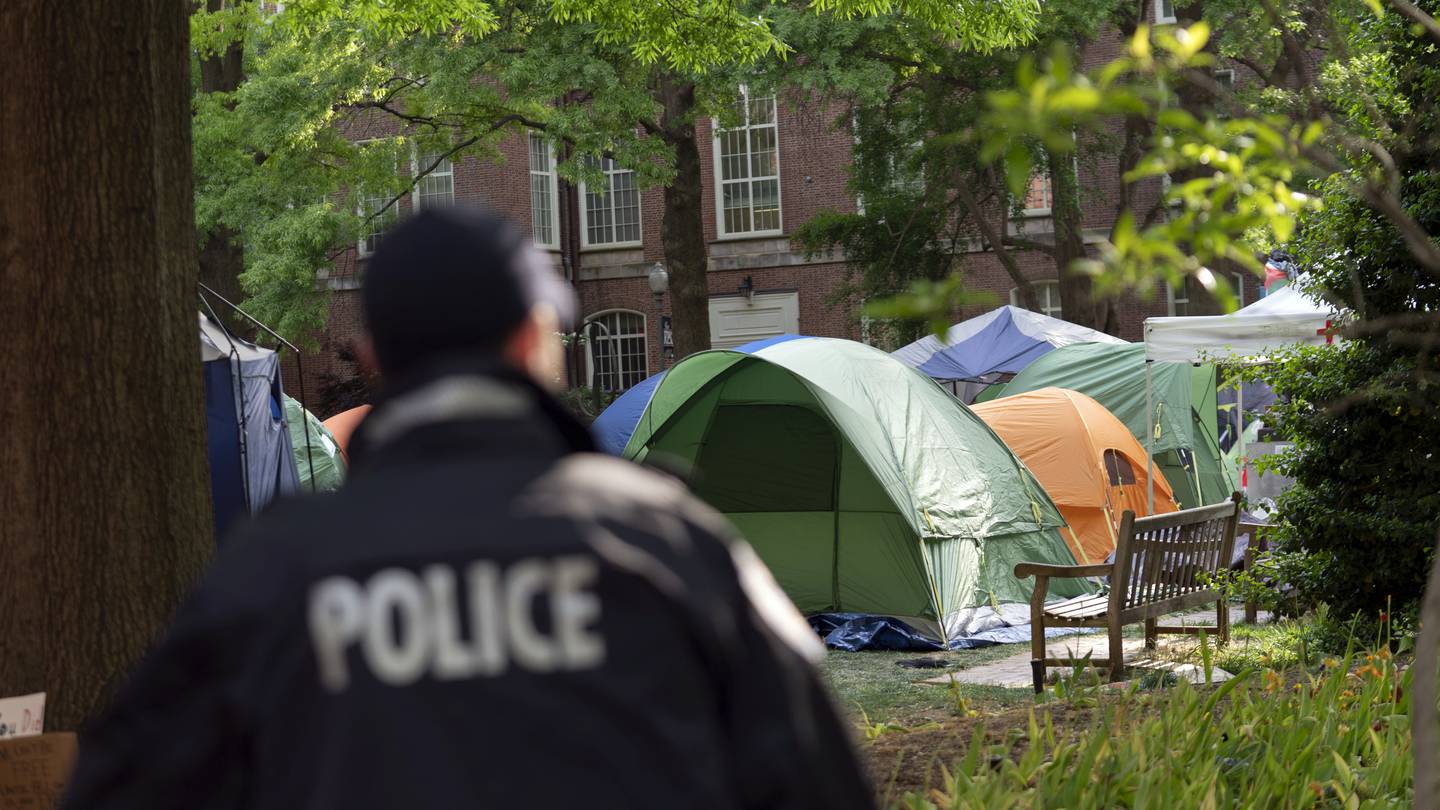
x,y
783,165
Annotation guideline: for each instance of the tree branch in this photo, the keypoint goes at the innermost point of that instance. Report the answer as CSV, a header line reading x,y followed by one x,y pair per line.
x,y
1414,14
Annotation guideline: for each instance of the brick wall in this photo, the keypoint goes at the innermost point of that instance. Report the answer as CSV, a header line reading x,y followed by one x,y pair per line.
x,y
814,156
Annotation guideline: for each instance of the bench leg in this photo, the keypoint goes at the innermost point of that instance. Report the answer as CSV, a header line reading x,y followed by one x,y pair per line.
x,y
1222,622
1252,610
1037,651
1117,652
1150,634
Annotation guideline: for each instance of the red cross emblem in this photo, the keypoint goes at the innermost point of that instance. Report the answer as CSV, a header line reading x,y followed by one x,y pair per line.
x,y
1325,330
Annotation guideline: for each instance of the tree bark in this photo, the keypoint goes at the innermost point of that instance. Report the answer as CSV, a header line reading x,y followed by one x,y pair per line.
x,y
222,258
1078,302
104,496
682,227
992,238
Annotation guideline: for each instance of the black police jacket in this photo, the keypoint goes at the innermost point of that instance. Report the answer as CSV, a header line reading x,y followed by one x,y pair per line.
x,y
485,615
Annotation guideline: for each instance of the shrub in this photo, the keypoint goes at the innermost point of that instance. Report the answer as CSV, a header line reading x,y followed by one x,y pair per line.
x,y
1339,739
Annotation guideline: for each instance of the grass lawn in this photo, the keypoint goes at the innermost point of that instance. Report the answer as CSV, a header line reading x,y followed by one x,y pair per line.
x,y
887,692
875,683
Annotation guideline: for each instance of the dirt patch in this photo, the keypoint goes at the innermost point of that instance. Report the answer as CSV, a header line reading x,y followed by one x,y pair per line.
x,y
912,761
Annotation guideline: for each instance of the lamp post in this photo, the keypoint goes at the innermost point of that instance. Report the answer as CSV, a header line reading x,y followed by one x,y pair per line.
x,y
660,282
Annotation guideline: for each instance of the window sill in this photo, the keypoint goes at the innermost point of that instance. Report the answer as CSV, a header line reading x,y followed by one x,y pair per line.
x,y
1035,213
609,246
736,237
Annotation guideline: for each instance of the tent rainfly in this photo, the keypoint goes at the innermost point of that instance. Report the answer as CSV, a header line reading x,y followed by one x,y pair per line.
x,y
613,427
1089,464
863,485
1002,341
321,465
1171,403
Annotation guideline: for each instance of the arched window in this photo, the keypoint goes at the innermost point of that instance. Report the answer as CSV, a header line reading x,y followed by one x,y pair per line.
x,y
1119,468
1047,297
617,350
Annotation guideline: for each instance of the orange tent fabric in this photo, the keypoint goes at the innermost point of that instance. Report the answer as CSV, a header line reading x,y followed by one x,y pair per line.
x,y
1090,464
342,425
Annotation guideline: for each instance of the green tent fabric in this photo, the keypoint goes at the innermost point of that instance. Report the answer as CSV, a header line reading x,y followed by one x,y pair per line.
x,y
1186,441
324,451
860,482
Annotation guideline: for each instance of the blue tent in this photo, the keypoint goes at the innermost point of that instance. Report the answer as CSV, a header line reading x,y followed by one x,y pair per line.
x,y
613,427
1002,341
251,460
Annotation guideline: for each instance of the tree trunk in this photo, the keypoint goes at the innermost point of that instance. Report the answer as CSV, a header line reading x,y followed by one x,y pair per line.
x,y
682,228
222,259
1078,302
104,496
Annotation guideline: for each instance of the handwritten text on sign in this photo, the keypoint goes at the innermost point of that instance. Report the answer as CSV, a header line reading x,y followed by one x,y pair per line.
x,y
22,716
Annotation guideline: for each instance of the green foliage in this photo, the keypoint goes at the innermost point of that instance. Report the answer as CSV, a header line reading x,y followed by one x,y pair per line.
x,y
342,100
914,102
1341,739
1366,502
1244,171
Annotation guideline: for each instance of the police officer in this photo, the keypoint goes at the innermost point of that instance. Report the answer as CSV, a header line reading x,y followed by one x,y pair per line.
x,y
488,614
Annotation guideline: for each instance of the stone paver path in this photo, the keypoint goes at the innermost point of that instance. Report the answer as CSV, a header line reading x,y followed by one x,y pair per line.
x,y
1014,672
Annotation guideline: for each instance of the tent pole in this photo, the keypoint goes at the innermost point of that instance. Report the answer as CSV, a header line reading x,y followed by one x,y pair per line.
x,y
1240,422
1150,435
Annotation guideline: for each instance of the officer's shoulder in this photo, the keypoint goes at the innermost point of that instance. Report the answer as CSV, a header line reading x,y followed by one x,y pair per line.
x,y
602,486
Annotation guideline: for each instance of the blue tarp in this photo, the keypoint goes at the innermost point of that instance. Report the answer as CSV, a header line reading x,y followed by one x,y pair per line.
x,y
613,427
855,632
1002,341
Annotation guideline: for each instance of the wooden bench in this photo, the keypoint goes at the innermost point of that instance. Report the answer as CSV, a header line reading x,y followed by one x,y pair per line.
x,y
1158,568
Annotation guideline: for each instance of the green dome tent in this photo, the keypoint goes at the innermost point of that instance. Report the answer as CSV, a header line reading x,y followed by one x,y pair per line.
x,y
1186,443
860,482
322,455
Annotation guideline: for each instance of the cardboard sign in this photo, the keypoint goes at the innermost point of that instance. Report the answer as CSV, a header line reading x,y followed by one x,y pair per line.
x,y
22,716
33,770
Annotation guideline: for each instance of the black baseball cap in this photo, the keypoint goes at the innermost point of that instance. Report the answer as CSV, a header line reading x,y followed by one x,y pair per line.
x,y
455,280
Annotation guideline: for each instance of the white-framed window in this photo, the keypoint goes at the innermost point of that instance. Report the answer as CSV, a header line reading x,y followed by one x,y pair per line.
x,y
544,194
375,217
611,211
747,170
437,188
374,221
1177,302
1240,290
1164,11
1039,195
1226,79
1047,297
616,349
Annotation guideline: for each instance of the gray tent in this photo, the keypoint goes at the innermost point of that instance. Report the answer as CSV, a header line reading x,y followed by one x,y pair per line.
x,y
251,458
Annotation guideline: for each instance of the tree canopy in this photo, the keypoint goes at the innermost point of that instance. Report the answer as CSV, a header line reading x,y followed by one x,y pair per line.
x,y
337,95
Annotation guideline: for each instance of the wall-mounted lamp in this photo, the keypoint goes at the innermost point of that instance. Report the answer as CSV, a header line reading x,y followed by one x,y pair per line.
x,y
747,288
659,281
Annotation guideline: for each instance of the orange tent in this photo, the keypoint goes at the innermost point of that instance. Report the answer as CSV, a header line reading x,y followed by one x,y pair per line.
x,y
1090,464
343,424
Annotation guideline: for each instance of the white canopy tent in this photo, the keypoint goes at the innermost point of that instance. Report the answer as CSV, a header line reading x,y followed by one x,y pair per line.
x,y
1247,336
1282,319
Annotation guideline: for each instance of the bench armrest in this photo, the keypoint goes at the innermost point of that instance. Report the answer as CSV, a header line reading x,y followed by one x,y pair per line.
x,y
1023,570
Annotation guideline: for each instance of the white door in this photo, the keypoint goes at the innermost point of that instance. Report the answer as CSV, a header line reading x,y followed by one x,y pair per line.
x,y
735,320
